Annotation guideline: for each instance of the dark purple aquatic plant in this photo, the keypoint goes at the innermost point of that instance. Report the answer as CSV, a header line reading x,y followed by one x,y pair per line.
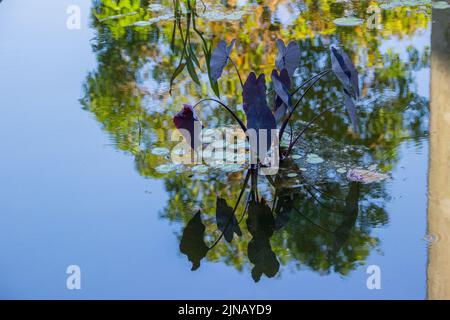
x,y
288,57
347,74
219,59
189,124
260,118
283,99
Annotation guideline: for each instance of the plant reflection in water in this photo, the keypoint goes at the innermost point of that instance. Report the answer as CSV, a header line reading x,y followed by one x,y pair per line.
x,y
315,225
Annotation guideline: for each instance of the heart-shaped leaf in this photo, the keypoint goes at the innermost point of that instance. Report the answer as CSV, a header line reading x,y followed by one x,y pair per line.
x,y
219,59
288,57
189,124
226,220
259,117
283,101
192,242
345,71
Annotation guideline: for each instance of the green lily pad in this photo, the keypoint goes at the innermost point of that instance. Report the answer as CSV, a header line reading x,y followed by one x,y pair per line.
x,y
348,21
313,159
160,151
341,170
201,168
166,168
441,5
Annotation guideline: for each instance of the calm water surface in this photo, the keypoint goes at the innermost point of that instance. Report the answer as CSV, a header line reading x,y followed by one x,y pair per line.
x,y
83,110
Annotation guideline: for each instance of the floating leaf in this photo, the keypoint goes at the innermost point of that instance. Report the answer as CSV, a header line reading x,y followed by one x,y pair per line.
x,y
226,220
313,159
345,71
288,57
259,116
341,170
365,176
166,168
292,175
192,242
441,5
189,124
160,151
348,21
201,168
219,59
281,85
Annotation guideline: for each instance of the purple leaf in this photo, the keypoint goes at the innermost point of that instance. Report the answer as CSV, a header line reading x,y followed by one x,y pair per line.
x,y
283,101
226,220
351,109
345,71
259,116
288,57
190,125
219,59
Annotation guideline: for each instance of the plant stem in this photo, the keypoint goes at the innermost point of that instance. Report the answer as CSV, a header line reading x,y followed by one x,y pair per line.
x,y
247,177
286,121
309,80
237,71
241,124
291,145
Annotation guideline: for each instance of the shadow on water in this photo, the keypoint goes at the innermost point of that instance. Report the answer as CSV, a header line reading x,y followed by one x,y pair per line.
x,y
153,58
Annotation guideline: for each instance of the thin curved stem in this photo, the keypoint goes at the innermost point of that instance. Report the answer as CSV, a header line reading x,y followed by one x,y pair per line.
x,y
237,71
242,125
286,121
291,145
309,80
247,177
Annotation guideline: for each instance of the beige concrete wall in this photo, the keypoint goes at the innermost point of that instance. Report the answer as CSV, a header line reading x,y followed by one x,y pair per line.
x,y
438,273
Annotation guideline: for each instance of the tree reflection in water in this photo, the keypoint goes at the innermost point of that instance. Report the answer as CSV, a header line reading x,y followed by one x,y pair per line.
x,y
316,220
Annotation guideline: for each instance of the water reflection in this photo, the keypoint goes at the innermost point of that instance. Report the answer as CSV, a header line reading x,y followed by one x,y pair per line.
x,y
307,216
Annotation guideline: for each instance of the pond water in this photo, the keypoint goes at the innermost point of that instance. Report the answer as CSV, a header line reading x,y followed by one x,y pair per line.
x,y
85,179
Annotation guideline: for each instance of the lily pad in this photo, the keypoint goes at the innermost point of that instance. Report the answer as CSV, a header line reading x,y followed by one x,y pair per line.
x,y
231,167
313,159
341,170
166,168
160,151
441,5
348,21
201,168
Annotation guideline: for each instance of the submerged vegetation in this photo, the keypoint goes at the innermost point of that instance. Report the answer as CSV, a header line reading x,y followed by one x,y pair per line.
x,y
309,215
